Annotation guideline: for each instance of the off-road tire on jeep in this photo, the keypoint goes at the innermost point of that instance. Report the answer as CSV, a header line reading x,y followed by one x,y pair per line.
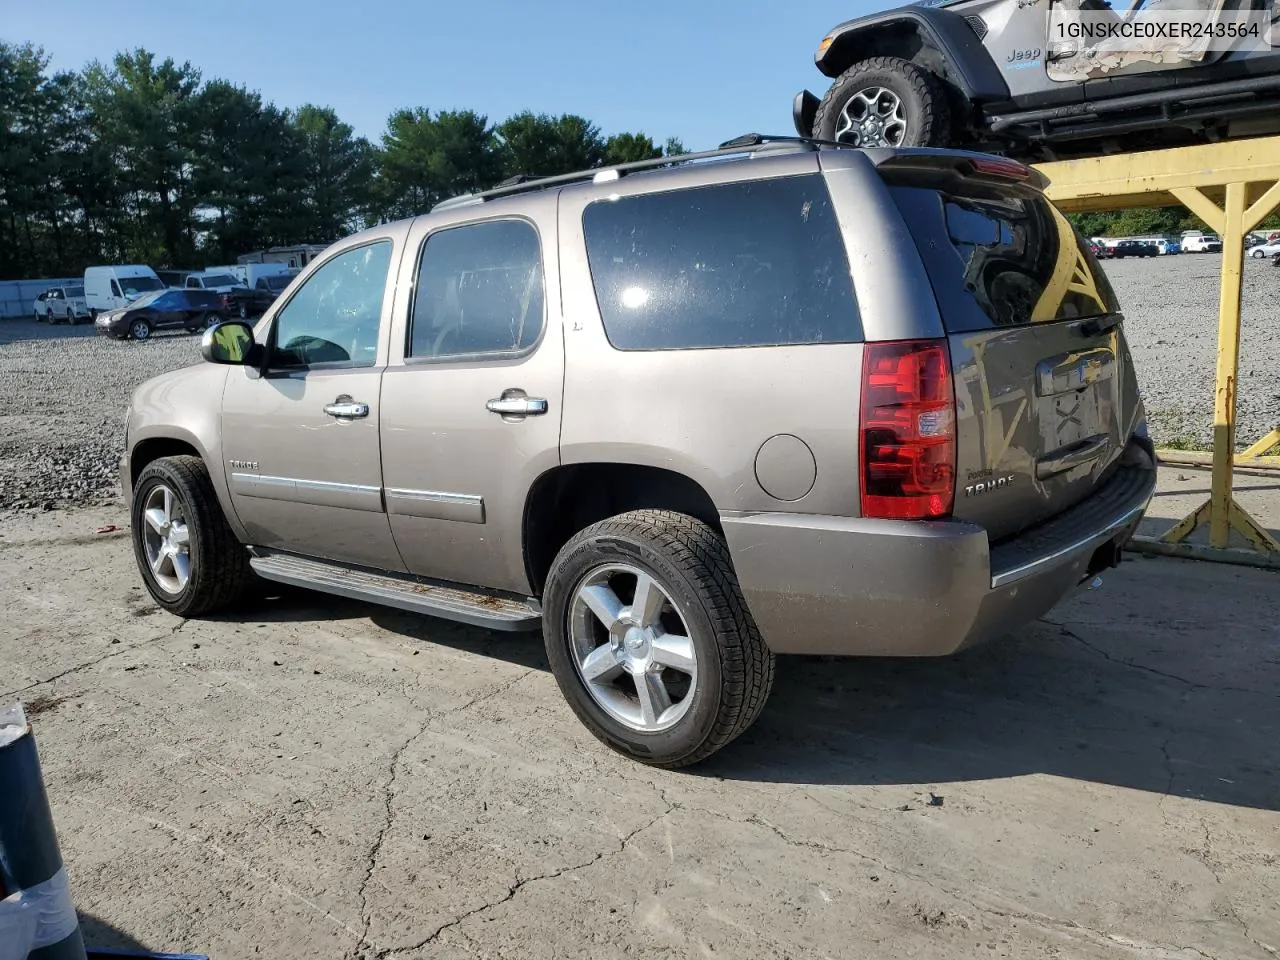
x,y
691,564
220,573
923,99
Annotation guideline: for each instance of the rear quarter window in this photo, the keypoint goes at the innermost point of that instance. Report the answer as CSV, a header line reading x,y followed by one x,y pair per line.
x,y
1001,256
760,263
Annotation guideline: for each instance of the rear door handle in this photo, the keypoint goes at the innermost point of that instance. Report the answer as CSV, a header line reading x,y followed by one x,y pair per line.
x,y
344,408
517,406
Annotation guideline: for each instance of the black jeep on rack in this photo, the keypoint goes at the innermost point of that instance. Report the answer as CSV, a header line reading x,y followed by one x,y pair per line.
x,y
992,75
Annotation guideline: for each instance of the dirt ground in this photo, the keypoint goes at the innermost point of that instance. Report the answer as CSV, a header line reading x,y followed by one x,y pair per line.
x,y
321,779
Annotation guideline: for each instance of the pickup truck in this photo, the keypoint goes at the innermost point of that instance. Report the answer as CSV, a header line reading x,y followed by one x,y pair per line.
x,y
254,302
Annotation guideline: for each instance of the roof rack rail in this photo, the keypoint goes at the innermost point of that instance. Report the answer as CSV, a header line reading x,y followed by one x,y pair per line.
x,y
748,143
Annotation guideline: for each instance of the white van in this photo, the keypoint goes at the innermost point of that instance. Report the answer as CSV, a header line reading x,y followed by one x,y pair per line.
x,y
110,288
1195,241
249,273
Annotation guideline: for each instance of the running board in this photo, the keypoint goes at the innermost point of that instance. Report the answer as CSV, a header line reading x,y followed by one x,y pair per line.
x,y
464,605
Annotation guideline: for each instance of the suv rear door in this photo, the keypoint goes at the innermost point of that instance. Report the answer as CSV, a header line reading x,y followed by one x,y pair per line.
x,y
471,399
1045,391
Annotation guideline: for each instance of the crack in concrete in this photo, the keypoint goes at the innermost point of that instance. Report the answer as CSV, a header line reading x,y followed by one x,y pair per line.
x,y
1142,667
1230,904
1039,919
520,883
389,794
94,662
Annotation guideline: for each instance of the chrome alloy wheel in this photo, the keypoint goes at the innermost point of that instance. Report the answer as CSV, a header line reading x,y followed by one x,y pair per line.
x,y
872,117
166,540
632,648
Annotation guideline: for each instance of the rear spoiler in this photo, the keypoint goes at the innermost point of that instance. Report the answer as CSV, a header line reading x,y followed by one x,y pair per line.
x,y
979,166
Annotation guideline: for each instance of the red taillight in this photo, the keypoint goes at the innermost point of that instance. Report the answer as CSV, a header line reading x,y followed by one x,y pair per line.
x,y
907,430
1001,167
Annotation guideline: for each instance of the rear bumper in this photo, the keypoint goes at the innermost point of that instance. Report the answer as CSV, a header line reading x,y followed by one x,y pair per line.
x,y
853,587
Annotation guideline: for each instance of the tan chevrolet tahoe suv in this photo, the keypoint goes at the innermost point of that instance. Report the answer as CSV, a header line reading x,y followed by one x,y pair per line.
x,y
680,416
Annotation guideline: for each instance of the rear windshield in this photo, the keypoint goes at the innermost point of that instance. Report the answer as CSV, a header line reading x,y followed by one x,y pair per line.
x,y
74,291
1001,256
220,280
732,265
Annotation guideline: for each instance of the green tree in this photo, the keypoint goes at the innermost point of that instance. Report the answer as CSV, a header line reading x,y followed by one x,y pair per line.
x,y
630,147
539,145
427,159
337,174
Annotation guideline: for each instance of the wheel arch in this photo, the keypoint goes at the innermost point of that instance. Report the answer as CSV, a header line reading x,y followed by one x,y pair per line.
x,y
937,40
151,449
571,497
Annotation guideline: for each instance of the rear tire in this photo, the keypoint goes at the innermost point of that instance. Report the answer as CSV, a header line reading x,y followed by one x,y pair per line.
x,y
912,112
217,564
698,593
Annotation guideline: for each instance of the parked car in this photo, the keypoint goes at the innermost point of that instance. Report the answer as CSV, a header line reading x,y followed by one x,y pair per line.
x,y
454,440
65,304
1134,248
253,303
987,73
248,274
1197,242
168,309
1167,246
220,282
112,287
1264,250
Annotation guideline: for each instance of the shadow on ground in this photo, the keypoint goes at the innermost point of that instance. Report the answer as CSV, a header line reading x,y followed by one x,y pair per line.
x,y
1186,707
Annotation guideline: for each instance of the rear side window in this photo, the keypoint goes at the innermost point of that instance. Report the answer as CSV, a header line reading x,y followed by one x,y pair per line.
x,y
760,263
479,291
1001,256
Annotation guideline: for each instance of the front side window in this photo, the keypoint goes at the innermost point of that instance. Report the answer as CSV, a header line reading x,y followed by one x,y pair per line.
x,y
758,263
479,291
115,289
333,320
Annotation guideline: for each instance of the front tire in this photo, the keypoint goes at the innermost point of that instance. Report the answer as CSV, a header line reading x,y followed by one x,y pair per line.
x,y
650,639
885,102
1258,255
140,330
190,560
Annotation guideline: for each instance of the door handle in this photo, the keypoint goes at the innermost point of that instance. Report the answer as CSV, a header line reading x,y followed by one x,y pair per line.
x,y
517,406
344,408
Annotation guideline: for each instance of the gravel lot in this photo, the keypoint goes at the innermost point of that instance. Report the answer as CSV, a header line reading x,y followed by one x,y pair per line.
x,y
63,390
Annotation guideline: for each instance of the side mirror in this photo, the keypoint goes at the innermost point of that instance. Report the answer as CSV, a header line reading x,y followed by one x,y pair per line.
x,y
230,343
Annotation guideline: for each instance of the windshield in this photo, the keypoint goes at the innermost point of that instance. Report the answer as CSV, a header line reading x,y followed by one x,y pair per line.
x,y
220,280
132,286
148,298
75,291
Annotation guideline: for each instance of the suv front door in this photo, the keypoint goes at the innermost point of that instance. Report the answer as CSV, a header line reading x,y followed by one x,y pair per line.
x,y
300,439
471,399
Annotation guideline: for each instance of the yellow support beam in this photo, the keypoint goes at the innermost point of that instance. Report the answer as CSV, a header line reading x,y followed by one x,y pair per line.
x,y
1246,175
1136,179
1272,439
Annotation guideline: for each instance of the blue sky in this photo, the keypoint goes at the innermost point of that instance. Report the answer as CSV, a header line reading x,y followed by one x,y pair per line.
x,y
703,71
